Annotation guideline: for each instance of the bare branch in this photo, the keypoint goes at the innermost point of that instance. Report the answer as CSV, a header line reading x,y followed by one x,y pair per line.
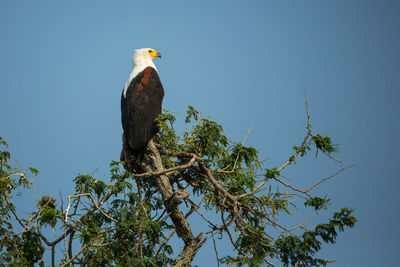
x,y
76,255
294,156
329,177
215,249
291,187
291,159
93,201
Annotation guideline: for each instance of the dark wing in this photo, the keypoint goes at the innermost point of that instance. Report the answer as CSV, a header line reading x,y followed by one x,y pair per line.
x,y
140,108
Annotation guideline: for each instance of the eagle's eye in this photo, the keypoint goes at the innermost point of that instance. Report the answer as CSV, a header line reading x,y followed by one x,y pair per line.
x,y
150,51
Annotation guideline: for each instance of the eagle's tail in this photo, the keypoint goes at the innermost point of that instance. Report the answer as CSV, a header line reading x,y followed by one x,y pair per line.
x,y
128,153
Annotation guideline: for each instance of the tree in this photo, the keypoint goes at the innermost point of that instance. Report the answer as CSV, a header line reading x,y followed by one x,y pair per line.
x,y
130,220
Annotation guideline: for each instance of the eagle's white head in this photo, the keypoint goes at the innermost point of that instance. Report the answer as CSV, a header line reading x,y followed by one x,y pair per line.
x,y
142,58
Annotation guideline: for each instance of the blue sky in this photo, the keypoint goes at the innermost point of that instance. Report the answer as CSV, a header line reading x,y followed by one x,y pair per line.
x,y
63,66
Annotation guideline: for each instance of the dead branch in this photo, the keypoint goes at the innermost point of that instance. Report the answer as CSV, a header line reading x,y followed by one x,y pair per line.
x,y
329,177
89,195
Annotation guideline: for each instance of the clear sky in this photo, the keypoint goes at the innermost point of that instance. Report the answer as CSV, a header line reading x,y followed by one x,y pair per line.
x,y
63,65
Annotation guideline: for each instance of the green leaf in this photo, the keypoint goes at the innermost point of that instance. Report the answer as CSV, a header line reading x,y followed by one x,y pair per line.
x,y
324,143
317,203
33,171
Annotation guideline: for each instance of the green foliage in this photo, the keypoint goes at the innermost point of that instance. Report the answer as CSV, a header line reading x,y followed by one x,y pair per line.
x,y
166,137
206,138
16,250
302,150
26,250
271,173
191,113
300,250
5,156
33,171
317,203
255,241
134,237
324,143
129,225
31,248
49,216
240,154
85,183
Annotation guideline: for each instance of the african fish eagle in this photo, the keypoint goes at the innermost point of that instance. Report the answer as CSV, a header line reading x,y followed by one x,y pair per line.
x,y
141,102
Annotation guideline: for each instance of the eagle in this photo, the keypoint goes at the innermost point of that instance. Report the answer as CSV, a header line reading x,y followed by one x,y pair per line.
x,y
141,102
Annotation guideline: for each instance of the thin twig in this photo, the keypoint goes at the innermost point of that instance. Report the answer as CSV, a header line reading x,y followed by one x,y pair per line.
x,y
215,249
329,177
76,255
291,159
165,241
291,187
